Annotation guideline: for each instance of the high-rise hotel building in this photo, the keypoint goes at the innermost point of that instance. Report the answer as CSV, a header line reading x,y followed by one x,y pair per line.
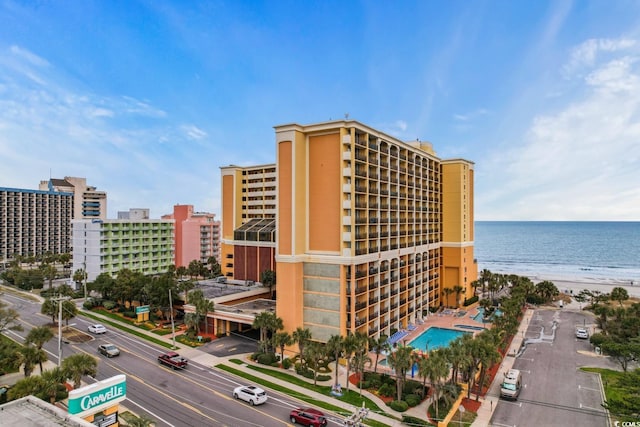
x,y
34,222
247,242
370,229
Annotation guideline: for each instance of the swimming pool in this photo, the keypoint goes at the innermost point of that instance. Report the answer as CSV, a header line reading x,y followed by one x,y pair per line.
x,y
435,337
480,316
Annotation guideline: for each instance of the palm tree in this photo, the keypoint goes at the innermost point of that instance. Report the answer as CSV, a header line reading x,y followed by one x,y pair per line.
x,y
488,356
379,345
206,306
268,323
50,308
619,294
314,354
447,292
268,278
350,345
335,345
436,370
69,311
280,341
401,360
261,322
359,361
31,356
39,336
51,381
49,272
301,336
457,289
25,387
78,365
186,287
192,321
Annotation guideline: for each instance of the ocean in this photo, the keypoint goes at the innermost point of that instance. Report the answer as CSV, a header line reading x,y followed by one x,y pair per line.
x,y
602,251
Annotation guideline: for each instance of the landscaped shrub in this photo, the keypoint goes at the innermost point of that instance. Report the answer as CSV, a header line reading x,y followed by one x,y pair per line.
x,y
267,358
412,400
412,387
286,363
469,301
109,305
386,390
535,299
386,379
129,314
399,405
88,304
414,421
323,377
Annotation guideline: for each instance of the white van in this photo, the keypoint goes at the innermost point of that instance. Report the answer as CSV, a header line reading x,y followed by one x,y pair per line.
x,y
510,387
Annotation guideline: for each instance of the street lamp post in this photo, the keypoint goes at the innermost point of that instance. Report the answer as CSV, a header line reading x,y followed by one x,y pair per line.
x,y
173,328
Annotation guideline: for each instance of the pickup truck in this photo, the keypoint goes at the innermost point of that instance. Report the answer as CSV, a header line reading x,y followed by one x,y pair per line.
x,y
173,360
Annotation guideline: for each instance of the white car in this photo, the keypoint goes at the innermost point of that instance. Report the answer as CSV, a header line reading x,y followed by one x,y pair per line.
x,y
582,333
97,329
249,393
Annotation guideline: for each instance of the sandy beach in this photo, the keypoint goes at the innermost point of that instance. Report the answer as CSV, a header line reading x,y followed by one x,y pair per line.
x,y
576,284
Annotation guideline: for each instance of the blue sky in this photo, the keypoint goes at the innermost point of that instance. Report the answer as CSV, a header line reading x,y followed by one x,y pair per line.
x,y
147,99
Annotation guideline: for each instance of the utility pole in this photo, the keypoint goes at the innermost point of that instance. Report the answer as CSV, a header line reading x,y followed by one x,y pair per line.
x,y
84,276
59,301
173,328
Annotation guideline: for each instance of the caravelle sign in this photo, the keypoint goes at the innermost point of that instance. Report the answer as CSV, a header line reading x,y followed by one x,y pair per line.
x,y
97,397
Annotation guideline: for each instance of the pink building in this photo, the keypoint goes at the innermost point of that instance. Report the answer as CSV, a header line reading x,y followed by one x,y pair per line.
x,y
197,235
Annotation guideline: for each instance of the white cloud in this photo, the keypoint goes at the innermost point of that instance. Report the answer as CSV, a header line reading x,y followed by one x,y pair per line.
x,y
586,54
57,129
581,162
32,58
193,132
471,115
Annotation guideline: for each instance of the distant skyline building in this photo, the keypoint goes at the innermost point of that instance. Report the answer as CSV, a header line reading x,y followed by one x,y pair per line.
x,y
248,221
34,222
197,235
134,213
108,246
88,202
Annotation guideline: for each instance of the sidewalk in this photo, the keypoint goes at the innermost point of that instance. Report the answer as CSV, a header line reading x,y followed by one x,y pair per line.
x,y
490,400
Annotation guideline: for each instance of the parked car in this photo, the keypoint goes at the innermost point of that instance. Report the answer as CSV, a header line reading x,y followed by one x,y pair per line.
x,y
109,350
97,329
308,417
582,333
250,393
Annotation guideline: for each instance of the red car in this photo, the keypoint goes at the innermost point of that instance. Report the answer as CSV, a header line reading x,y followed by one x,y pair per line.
x,y
308,417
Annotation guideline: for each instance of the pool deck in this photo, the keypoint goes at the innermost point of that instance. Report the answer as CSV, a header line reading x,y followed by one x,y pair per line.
x,y
447,318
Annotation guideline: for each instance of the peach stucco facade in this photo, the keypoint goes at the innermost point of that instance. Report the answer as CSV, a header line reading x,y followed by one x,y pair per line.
x,y
362,242
369,229
197,235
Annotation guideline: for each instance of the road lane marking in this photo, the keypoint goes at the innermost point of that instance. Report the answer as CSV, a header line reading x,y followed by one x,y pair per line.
x,y
150,412
587,388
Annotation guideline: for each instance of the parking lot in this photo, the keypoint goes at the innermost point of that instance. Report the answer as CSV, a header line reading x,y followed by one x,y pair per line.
x,y
555,391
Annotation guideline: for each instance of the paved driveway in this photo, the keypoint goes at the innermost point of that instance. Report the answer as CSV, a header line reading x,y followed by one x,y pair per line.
x,y
555,391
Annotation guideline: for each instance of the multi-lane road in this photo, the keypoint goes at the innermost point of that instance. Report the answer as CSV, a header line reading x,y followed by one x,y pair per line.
x,y
197,396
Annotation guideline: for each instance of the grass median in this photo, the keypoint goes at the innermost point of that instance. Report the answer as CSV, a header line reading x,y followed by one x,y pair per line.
x,y
350,397
135,332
